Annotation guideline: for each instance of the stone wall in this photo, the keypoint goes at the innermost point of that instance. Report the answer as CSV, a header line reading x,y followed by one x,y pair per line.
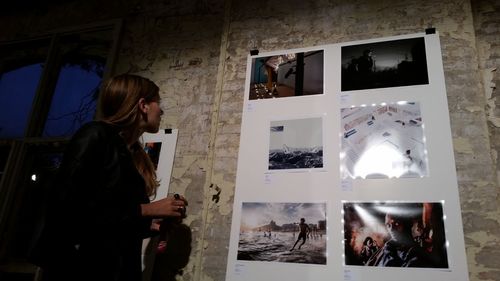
x,y
196,51
483,227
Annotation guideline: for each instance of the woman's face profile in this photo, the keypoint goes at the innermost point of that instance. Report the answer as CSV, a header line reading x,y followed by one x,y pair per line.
x,y
154,113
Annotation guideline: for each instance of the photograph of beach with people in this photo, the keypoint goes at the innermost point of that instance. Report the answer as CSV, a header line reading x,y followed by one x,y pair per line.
x,y
283,232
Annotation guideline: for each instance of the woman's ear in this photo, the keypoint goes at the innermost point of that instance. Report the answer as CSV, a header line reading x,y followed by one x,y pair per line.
x,y
143,106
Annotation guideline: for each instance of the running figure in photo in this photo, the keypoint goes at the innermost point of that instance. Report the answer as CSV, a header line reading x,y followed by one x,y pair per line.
x,y
304,230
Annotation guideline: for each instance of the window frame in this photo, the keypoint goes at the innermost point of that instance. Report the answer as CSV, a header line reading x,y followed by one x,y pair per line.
x,y
12,178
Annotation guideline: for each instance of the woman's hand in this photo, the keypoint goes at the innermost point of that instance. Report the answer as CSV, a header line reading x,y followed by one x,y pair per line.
x,y
167,207
155,225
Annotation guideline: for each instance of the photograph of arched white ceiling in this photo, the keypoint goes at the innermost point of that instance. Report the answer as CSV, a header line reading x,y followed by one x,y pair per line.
x,y
383,141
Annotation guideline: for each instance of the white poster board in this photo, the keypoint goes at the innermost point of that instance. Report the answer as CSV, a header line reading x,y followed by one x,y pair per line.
x,y
360,131
160,147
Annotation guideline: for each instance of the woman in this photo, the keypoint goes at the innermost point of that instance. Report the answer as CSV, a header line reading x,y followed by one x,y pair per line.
x,y
100,210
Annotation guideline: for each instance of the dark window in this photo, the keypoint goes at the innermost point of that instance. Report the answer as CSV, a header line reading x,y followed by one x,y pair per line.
x,y
4,155
48,89
21,67
83,59
17,90
42,162
74,101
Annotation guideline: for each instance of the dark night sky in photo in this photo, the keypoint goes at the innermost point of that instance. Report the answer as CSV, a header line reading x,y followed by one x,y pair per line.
x,y
386,54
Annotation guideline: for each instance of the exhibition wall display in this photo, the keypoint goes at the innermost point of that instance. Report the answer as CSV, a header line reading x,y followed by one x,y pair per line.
x,y
160,147
346,168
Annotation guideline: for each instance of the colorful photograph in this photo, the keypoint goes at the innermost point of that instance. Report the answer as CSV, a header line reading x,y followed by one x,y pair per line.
x,y
153,150
384,64
395,234
296,144
283,232
287,75
383,141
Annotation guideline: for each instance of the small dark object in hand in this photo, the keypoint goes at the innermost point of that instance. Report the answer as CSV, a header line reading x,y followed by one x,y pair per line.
x,y
181,210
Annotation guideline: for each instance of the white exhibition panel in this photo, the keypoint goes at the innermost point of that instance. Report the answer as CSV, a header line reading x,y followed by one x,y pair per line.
x,y
259,182
168,140
162,145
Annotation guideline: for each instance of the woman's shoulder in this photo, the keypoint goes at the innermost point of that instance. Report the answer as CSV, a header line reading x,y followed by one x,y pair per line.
x,y
94,133
97,126
96,129
95,137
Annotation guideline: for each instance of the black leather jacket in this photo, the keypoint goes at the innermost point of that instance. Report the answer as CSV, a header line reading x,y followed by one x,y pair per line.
x,y
94,228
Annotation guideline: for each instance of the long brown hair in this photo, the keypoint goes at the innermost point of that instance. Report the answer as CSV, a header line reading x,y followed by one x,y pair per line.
x,y
118,106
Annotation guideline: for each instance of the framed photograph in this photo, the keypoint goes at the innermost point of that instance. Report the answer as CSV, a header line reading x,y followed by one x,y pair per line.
x,y
384,64
395,234
383,141
296,144
283,232
287,75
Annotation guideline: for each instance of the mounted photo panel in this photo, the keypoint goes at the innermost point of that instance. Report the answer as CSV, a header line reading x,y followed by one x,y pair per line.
x,y
359,132
160,148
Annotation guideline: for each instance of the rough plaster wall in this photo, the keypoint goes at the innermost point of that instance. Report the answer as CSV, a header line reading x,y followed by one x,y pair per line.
x,y
196,51
271,25
180,52
487,28
177,45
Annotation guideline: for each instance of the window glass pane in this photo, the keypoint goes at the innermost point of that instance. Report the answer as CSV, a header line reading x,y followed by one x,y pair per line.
x,y
40,166
77,88
17,90
4,155
21,67
74,101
